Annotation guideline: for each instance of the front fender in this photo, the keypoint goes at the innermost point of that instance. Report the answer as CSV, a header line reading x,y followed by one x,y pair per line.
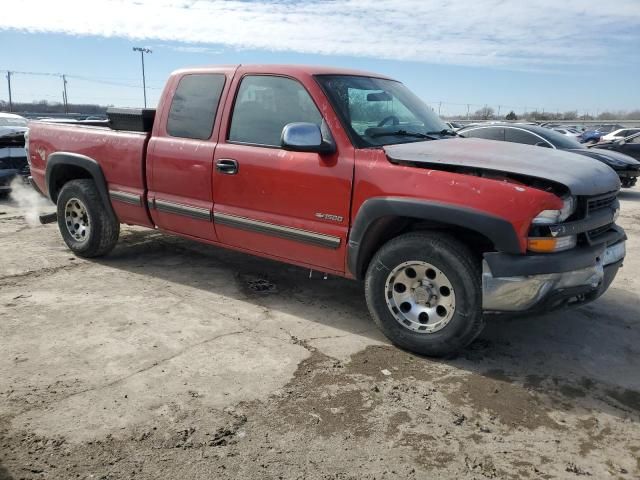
x,y
499,231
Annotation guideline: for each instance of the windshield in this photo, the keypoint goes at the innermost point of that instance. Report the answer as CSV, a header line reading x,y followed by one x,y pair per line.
x,y
380,112
12,122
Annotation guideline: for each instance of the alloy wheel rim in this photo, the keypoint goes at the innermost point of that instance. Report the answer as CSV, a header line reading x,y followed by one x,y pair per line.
x,y
76,219
420,297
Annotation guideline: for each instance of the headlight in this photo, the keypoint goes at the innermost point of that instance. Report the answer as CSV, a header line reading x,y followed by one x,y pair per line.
x,y
549,217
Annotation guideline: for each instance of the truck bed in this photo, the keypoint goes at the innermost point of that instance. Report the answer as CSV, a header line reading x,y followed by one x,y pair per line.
x,y
121,155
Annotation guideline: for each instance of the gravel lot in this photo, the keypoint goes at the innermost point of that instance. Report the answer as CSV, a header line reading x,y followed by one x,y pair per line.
x,y
171,359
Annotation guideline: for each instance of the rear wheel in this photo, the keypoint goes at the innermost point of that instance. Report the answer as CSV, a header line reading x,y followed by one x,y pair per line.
x,y
424,292
87,227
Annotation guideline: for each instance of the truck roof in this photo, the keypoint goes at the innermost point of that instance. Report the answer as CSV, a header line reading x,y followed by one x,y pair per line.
x,y
292,70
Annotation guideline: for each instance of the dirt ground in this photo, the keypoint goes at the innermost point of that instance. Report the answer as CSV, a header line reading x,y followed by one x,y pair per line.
x,y
170,359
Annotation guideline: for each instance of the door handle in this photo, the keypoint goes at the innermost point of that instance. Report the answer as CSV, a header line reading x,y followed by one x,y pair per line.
x,y
227,166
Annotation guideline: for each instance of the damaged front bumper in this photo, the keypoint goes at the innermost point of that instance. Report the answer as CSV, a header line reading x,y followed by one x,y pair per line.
x,y
540,283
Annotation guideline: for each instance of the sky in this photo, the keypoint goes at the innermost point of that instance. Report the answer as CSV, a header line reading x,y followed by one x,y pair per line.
x,y
540,54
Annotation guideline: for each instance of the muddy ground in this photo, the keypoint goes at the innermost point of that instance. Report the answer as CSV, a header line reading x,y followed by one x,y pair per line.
x,y
170,359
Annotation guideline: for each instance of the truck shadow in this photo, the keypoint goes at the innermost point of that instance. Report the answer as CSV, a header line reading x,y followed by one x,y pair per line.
x,y
4,473
584,357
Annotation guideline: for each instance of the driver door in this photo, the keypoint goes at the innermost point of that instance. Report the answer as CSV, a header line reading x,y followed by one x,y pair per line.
x,y
287,205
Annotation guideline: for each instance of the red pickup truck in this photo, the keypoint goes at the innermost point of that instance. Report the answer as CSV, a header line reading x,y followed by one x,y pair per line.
x,y
347,173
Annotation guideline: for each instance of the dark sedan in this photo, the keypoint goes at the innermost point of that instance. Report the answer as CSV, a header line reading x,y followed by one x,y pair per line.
x,y
628,146
627,168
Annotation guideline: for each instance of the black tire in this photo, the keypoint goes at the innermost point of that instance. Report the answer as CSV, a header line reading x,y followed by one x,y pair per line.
x,y
463,271
104,226
627,182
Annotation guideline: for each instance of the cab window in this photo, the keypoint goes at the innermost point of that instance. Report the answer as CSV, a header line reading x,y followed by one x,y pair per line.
x,y
194,105
265,104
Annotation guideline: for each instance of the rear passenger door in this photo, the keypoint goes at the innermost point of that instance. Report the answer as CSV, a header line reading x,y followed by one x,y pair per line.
x,y
180,156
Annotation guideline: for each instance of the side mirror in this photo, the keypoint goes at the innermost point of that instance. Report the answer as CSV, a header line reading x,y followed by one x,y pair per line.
x,y
305,137
543,144
620,142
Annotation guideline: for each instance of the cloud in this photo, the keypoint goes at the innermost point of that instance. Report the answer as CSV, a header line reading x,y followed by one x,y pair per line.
x,y
540,34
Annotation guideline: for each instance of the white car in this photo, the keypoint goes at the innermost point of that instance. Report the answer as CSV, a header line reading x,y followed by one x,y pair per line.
x,y
620,133
569,132
12,120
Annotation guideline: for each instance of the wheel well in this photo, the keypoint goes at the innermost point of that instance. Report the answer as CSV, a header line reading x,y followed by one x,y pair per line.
x,y
386,228
61,174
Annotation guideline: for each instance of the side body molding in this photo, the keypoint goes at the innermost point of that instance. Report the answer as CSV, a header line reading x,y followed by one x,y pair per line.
x,y
58,160
498,230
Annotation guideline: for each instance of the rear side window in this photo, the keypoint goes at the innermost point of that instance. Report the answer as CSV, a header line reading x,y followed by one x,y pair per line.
x,y
490,133
265,104
194,106
520,136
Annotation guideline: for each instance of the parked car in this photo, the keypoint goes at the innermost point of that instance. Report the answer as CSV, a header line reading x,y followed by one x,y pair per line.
x,y
13,157
590,136
607,128
629,146
348,173
620,133
595,132
627,168
569,132
454,125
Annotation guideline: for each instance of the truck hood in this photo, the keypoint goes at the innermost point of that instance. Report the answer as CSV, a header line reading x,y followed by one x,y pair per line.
x,y
581,175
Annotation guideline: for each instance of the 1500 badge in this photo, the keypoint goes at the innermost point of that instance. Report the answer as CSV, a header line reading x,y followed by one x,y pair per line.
x,y
328,216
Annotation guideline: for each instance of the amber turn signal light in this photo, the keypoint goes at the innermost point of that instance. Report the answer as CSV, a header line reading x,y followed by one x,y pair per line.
x,y
550,244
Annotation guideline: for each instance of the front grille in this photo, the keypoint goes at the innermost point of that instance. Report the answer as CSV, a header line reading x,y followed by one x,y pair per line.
x,y
594,204
13,163
600,202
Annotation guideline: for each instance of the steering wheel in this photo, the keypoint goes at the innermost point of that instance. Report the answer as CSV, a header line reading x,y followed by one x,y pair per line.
x,y
385,120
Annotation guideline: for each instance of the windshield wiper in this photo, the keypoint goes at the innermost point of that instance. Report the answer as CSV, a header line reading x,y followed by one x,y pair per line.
x,y
403,133
445,131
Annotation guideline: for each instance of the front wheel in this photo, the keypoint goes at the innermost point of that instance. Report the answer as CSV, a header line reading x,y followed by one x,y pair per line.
x,y
424,292
88,228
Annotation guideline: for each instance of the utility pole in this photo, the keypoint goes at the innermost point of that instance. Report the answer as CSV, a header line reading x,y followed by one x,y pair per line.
x,y
9,84
499,110
142,51
468,111
439,107
64,94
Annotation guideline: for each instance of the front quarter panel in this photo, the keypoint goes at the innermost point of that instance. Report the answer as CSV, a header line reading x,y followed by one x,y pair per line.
x,y
375,176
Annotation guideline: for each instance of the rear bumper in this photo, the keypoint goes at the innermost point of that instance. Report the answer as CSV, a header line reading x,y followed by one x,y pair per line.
x,y
541,283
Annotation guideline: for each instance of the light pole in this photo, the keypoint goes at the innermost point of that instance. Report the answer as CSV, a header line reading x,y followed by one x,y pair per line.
x,y
64,94
142,51
9,84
